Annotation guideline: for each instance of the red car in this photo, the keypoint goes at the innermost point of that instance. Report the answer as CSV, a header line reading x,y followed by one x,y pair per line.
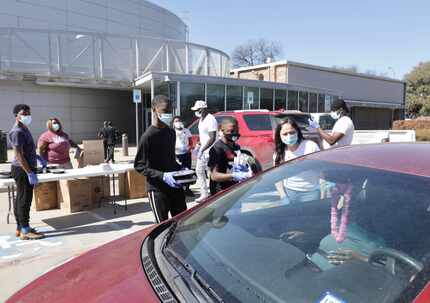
x,y
256,130
363,239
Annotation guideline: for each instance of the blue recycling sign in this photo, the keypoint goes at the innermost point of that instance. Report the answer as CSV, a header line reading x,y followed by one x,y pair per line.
x,y
137,96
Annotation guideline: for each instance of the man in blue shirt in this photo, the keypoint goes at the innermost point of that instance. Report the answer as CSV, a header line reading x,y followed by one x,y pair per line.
x,y
24,171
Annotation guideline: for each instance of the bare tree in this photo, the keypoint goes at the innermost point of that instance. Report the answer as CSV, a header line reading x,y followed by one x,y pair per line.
x,y
256,52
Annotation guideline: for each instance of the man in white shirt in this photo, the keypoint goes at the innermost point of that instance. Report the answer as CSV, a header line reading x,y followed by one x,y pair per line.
x,y
208,128
343,130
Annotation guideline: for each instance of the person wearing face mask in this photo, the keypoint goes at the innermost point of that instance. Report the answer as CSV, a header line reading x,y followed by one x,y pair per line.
x,y
23,171
183,147
156,160
290,144
343,130
224,173
208,127
54,145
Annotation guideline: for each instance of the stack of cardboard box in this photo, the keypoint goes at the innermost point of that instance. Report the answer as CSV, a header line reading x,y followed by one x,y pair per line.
x,y
83,194
45,196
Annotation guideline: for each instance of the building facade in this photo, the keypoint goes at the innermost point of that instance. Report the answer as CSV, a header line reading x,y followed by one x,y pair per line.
x,y
374,101
77,59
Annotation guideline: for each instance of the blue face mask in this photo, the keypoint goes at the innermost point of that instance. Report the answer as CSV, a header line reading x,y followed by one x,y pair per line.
x,y
290,139
26,120
165,118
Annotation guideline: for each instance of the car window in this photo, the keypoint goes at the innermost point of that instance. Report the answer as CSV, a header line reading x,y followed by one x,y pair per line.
x,y
326,122
302,120
310,230
258,122
194,128
220,118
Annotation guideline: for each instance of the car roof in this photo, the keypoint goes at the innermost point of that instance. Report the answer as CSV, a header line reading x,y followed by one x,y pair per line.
x,y
408,158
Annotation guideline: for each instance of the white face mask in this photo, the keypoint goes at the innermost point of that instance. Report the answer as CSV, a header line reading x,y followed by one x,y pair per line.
x,y
55,127
198,114
165,118
26,120
335,115
178,125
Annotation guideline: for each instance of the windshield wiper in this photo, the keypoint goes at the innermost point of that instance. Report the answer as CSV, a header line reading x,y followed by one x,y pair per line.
x,y
169,236
203,287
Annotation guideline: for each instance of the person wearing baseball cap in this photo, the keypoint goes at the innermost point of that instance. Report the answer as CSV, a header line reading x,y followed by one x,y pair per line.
x,y
208,127
343,130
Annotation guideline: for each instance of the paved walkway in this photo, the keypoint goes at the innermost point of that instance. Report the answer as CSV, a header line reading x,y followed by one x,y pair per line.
x,y
67,236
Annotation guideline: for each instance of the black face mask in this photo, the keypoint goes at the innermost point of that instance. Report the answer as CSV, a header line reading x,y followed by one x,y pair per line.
x,y
232,137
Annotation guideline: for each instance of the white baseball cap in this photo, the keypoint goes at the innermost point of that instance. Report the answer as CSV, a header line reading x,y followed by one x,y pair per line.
x,y
199,105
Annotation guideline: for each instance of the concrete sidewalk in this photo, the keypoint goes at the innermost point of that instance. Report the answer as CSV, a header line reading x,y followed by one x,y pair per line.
x,y
67,236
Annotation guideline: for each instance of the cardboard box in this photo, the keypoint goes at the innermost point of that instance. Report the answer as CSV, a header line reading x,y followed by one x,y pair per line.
x,y
75,195
132,185
45,196
93,153
100,188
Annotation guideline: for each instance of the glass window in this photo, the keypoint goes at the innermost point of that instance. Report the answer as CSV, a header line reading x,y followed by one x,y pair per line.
x,y
313,103
215,97
234,97
258,122
312,226
321,103
167,89
190,92
303,102
280,99
251,98
266,101
293,100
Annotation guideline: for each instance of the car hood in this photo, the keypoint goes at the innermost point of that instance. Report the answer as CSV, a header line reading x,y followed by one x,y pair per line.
x,y
110,273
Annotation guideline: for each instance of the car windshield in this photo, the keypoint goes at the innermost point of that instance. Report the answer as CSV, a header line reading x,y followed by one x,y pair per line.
x,y
302,119
313,231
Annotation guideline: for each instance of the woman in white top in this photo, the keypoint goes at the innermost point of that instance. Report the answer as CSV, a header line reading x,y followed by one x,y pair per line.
x,y
291,144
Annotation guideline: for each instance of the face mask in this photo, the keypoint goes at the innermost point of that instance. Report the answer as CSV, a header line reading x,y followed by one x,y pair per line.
x,y
165,118
198,114
55,127
26,120
335,115
290,139
232,137
178,125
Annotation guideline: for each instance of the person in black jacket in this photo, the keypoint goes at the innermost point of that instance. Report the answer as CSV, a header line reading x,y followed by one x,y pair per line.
x,y
156,160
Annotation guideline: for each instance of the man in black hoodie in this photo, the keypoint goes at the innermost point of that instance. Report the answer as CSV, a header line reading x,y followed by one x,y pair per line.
x,y
156,160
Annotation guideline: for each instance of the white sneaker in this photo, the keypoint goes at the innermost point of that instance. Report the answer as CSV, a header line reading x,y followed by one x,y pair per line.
x,y
201,199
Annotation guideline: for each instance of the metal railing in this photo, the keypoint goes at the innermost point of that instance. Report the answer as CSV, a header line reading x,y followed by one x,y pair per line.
x,y
99,56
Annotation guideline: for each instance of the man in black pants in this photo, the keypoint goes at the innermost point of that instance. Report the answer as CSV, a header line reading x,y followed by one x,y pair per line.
x,y
111,134
23,171
102,135
156,160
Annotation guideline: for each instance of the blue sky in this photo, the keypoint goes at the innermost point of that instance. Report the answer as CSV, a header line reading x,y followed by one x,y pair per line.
x,y
372,35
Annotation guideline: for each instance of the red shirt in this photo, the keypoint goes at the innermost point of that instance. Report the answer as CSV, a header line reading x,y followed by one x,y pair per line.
x,y
58,147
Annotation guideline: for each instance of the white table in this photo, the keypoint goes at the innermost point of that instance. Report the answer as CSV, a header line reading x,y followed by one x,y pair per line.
x,y
89,171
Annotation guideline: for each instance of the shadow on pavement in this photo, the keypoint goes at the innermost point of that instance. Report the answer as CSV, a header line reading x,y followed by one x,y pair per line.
x,y
94,229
